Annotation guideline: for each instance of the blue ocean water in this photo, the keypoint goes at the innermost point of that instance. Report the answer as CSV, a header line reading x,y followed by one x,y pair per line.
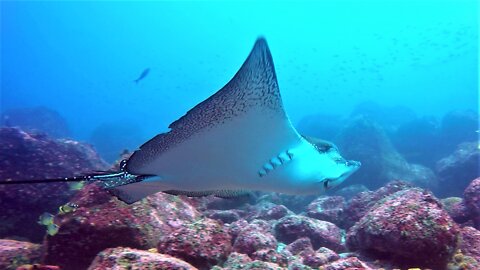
x,y
80,58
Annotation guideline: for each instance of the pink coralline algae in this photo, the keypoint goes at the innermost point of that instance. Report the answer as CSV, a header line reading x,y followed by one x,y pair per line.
x,y
102,221
469,243
360,204
321,233
203,243
16,253
254,237
128,258
409,227
472,201
26,156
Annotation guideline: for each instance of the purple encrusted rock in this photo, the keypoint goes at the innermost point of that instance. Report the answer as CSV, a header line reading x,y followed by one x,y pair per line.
x,y
128,258
236,227
281,258
254,237
16,253
102,222
203,243
410,226
300,245
321,233
26,156
469,243
318,258
225,216
267,211
456,208
352,263
472,201
238,261
360,204
327,208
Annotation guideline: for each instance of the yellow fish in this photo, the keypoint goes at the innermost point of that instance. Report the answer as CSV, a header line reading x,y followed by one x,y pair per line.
x,y
46,219
67,208
52,229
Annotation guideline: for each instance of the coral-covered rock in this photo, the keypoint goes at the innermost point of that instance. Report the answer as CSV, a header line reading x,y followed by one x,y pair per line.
x,y
128,258
469,243
225,216
410,227
102,222
238,261
271,255
36,120
457,170
321,257
300,245
327,208
16,253
472,201
456,208
351,263
203,243
254,237
360,204
236,227
267,211
321,233
25,156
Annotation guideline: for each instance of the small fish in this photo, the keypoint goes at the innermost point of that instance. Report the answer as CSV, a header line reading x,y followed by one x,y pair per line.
x,y
46,219
52,229
76,185
143,75
67,208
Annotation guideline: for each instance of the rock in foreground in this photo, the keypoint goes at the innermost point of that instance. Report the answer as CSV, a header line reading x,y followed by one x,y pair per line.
x,y
409,227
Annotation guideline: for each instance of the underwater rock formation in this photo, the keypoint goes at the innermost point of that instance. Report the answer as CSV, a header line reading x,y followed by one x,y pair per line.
x,y
472,201
128,258
203,243
321,233
36,120
469,244
457,209
327,208
367,142
16,253
408,227
254,237
458,127
388,117
26,156
457,170
321,126
360,204
102,222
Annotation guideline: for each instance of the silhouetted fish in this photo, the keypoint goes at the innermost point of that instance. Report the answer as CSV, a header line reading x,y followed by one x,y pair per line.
x,y
143,75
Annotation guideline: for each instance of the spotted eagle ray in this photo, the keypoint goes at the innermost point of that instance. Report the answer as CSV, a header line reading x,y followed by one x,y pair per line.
x,y
237,140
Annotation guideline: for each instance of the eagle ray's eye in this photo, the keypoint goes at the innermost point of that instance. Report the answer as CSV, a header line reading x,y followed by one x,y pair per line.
x,y
325,184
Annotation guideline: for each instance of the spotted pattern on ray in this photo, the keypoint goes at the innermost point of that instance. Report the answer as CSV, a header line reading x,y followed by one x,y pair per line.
x,y
254,86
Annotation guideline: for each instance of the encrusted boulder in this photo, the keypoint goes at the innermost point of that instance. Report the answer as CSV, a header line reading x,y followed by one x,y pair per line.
x,y
321,233
102,222
472,201
408,226
128,258
16,253
28,156
254,237
203,243
327,208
